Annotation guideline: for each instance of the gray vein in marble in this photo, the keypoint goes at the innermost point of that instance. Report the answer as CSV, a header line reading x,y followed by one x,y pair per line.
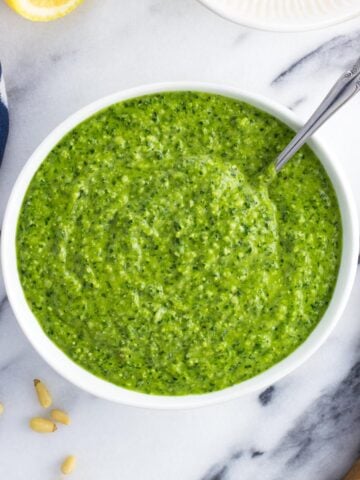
x,y
216,473
155,7
266,396
334,416
11,362
220,471
296,103
19,86
334,419
240,39
337,52
3,302
57,57
257,453
15,92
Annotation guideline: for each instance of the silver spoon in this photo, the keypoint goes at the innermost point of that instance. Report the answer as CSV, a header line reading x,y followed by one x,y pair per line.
x,y
345,88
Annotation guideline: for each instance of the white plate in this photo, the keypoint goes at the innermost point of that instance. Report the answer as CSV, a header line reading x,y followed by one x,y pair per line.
x,y
285,15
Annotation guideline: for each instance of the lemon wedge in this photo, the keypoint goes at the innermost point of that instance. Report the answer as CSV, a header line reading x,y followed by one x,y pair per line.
x,y
43,10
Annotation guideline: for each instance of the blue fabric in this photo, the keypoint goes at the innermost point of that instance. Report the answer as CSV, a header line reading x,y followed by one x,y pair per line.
x,y
4,116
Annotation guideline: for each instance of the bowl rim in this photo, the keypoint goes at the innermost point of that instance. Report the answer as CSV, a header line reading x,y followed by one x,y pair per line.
x,y
76,374
282,27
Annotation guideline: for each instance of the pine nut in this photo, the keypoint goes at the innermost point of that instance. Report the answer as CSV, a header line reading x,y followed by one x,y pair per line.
x,y
68,464
42,425
42,393
60,416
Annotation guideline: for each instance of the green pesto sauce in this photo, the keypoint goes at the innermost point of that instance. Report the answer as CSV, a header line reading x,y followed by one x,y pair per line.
x,y
155,254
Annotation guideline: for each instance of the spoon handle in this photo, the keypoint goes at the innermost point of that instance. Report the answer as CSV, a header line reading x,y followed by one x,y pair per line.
x,y
354,472
345,88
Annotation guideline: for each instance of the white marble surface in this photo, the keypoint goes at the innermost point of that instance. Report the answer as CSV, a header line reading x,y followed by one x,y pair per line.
x,y
308,425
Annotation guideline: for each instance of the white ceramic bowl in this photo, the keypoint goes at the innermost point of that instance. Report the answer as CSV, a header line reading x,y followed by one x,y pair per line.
x,y
85,380
285,15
